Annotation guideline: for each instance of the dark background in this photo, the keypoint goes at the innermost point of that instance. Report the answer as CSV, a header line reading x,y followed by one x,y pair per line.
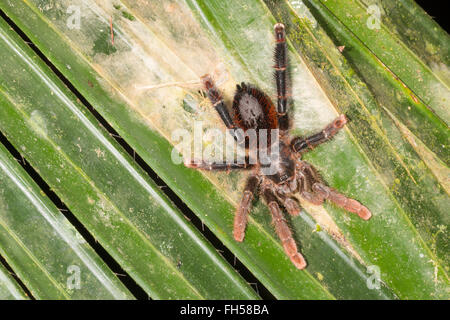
x,y
437,10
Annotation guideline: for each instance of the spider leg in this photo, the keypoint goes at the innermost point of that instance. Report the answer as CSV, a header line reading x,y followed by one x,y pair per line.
x,y
283,231
216,166
342,201
301,145
306,177
291,205
280,57
240,218
217,101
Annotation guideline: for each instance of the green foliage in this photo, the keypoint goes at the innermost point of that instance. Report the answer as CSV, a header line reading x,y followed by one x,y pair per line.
x,y
393,155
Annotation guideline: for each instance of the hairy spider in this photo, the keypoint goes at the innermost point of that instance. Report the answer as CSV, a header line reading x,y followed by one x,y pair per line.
x,y
253,109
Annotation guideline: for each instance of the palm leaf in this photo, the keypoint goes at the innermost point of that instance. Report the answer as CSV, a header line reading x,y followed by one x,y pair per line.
x,y
33,231
124,209
373,160
9,289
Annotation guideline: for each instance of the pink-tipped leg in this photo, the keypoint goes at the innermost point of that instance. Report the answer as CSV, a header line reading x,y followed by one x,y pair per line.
x,y
305,176
240,218
302,145
339,122
215,166
292,206
313,198
342,201
283,231
285,235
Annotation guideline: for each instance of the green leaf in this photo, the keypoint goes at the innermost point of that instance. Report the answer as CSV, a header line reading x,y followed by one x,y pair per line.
x,y
424,80
114,199
45,251
403,167
105,88
418,31
414,92
366,182
178,42
9,288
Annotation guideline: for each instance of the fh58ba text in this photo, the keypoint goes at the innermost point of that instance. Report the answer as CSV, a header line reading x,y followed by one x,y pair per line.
x,y
241,309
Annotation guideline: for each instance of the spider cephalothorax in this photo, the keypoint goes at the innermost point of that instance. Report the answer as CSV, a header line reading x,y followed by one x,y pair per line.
x,y
253,109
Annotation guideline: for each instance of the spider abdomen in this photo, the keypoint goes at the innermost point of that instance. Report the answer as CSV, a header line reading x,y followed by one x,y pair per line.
x,y
253,109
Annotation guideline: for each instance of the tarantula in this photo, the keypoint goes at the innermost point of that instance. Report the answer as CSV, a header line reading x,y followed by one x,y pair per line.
x,y
253,109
